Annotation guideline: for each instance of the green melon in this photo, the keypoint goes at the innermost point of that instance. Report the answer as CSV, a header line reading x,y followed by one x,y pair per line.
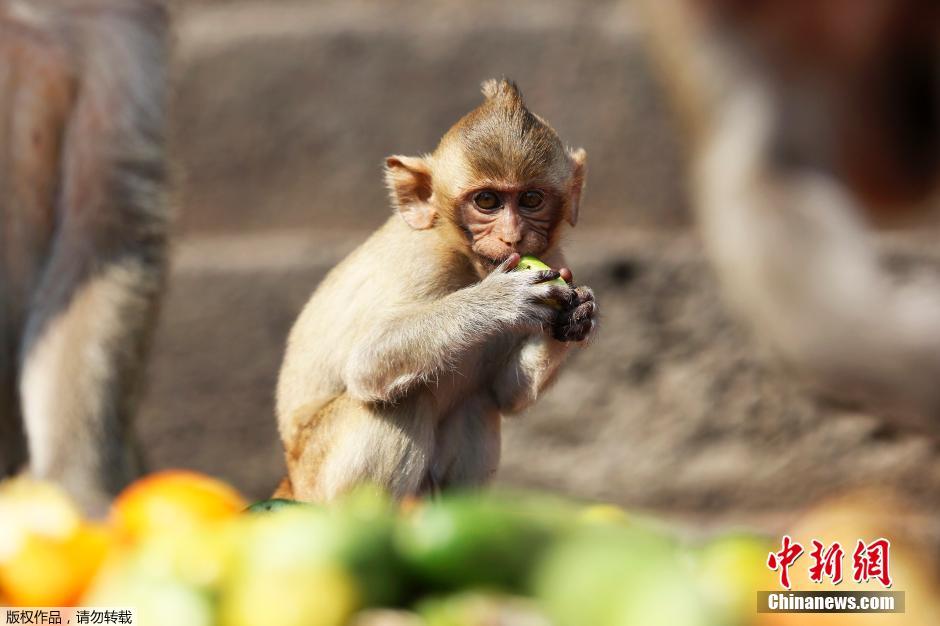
x,y
534,264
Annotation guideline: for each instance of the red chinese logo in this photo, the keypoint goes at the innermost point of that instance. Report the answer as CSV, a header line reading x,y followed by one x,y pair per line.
x,y
784,559
826,562
871,561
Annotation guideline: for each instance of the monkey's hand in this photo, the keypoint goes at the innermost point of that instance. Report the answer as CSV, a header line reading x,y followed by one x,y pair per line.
x,y
577,321
524,300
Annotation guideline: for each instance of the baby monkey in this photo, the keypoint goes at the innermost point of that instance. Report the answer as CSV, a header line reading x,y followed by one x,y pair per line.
x,y
402,363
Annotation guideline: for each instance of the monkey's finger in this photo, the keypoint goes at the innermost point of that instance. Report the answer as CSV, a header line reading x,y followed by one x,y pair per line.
x,y
583,312
565,296
566,275
543,276
578,331
570,332
574,324
510,263
584,330
585,294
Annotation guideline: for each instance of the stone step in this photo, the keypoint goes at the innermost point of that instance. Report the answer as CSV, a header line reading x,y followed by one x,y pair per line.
x,y
284,111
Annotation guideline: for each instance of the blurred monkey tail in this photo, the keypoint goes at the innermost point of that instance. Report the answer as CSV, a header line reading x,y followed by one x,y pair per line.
x,y
96,302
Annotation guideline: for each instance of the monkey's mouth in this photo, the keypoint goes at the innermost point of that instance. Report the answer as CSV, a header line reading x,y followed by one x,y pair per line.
x,y
494,258
489,259
492,262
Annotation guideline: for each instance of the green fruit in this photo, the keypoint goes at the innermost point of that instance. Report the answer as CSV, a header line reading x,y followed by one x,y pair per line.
x,y
274,504
468,540
170,578
288,571
158,602
366,545
531,263
479,609
355,533
618,576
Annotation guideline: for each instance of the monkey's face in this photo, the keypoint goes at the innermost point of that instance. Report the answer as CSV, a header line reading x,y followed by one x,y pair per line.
x,y
501,220
500,176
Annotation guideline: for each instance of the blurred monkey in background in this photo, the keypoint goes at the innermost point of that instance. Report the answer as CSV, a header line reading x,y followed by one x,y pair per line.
x,y
83,220
400,367
812,123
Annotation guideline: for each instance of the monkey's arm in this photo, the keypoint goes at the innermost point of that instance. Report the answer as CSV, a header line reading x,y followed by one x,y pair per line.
x,y
417,343
414,346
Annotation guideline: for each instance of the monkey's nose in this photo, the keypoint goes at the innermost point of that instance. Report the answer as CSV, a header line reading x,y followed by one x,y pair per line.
x,y
510,238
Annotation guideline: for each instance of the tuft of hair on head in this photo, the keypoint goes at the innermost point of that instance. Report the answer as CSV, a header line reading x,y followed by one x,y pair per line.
x,y
501,89
502,140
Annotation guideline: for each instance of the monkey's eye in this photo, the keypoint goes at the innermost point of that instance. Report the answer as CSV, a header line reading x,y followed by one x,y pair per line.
x,y
531,199
487,200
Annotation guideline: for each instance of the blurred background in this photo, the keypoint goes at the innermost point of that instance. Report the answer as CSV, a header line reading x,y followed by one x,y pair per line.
x,y
282,114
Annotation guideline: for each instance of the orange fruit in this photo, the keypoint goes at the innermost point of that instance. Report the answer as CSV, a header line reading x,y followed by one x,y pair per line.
x,y
173,500
48,554
53,571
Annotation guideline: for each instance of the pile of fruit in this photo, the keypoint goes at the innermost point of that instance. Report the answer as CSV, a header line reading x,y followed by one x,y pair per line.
x,y
184,550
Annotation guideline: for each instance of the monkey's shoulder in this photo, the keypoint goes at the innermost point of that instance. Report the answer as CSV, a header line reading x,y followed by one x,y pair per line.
x,y
399,262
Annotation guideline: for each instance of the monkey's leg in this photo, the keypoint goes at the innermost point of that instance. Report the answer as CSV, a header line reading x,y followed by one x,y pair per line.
x,y
351,443
468,445
530,368
91,314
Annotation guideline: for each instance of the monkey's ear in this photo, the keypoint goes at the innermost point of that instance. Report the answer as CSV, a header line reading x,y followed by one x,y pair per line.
x,y
409,181
578,170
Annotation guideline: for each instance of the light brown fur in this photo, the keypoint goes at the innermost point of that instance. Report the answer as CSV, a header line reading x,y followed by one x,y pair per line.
x,y
82,233
401,364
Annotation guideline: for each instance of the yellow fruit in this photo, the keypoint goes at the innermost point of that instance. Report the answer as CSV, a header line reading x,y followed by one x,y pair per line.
x,y
731,570
33,507
53,571
603,514
323,595
173,501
